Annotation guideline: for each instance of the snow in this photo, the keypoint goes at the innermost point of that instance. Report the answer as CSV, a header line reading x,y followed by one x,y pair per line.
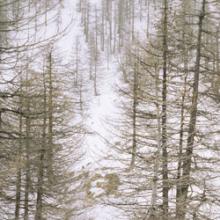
x,y
103,108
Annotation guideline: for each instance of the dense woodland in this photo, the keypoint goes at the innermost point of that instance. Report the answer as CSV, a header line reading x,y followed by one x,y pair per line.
x,y
109,107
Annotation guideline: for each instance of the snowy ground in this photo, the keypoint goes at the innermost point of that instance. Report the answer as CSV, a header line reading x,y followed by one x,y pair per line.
x,y
101,109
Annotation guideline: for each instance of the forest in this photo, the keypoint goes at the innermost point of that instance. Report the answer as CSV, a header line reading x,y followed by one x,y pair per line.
x,y
109,110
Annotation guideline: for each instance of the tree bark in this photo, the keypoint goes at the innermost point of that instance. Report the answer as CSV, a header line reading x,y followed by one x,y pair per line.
x,y
185,180
27,174
39,204
18,181
157,153
50,119
165,190
134,116
181,132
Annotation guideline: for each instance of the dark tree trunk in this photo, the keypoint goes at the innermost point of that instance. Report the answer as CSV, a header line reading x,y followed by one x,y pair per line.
x,y
165,189
185,180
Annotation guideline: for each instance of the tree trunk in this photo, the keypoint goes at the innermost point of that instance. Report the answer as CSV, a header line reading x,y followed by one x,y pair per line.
x,y
27,174
185,180
50,120
134,115
18,180
165,189
181,132
157,153
96,52
39,204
